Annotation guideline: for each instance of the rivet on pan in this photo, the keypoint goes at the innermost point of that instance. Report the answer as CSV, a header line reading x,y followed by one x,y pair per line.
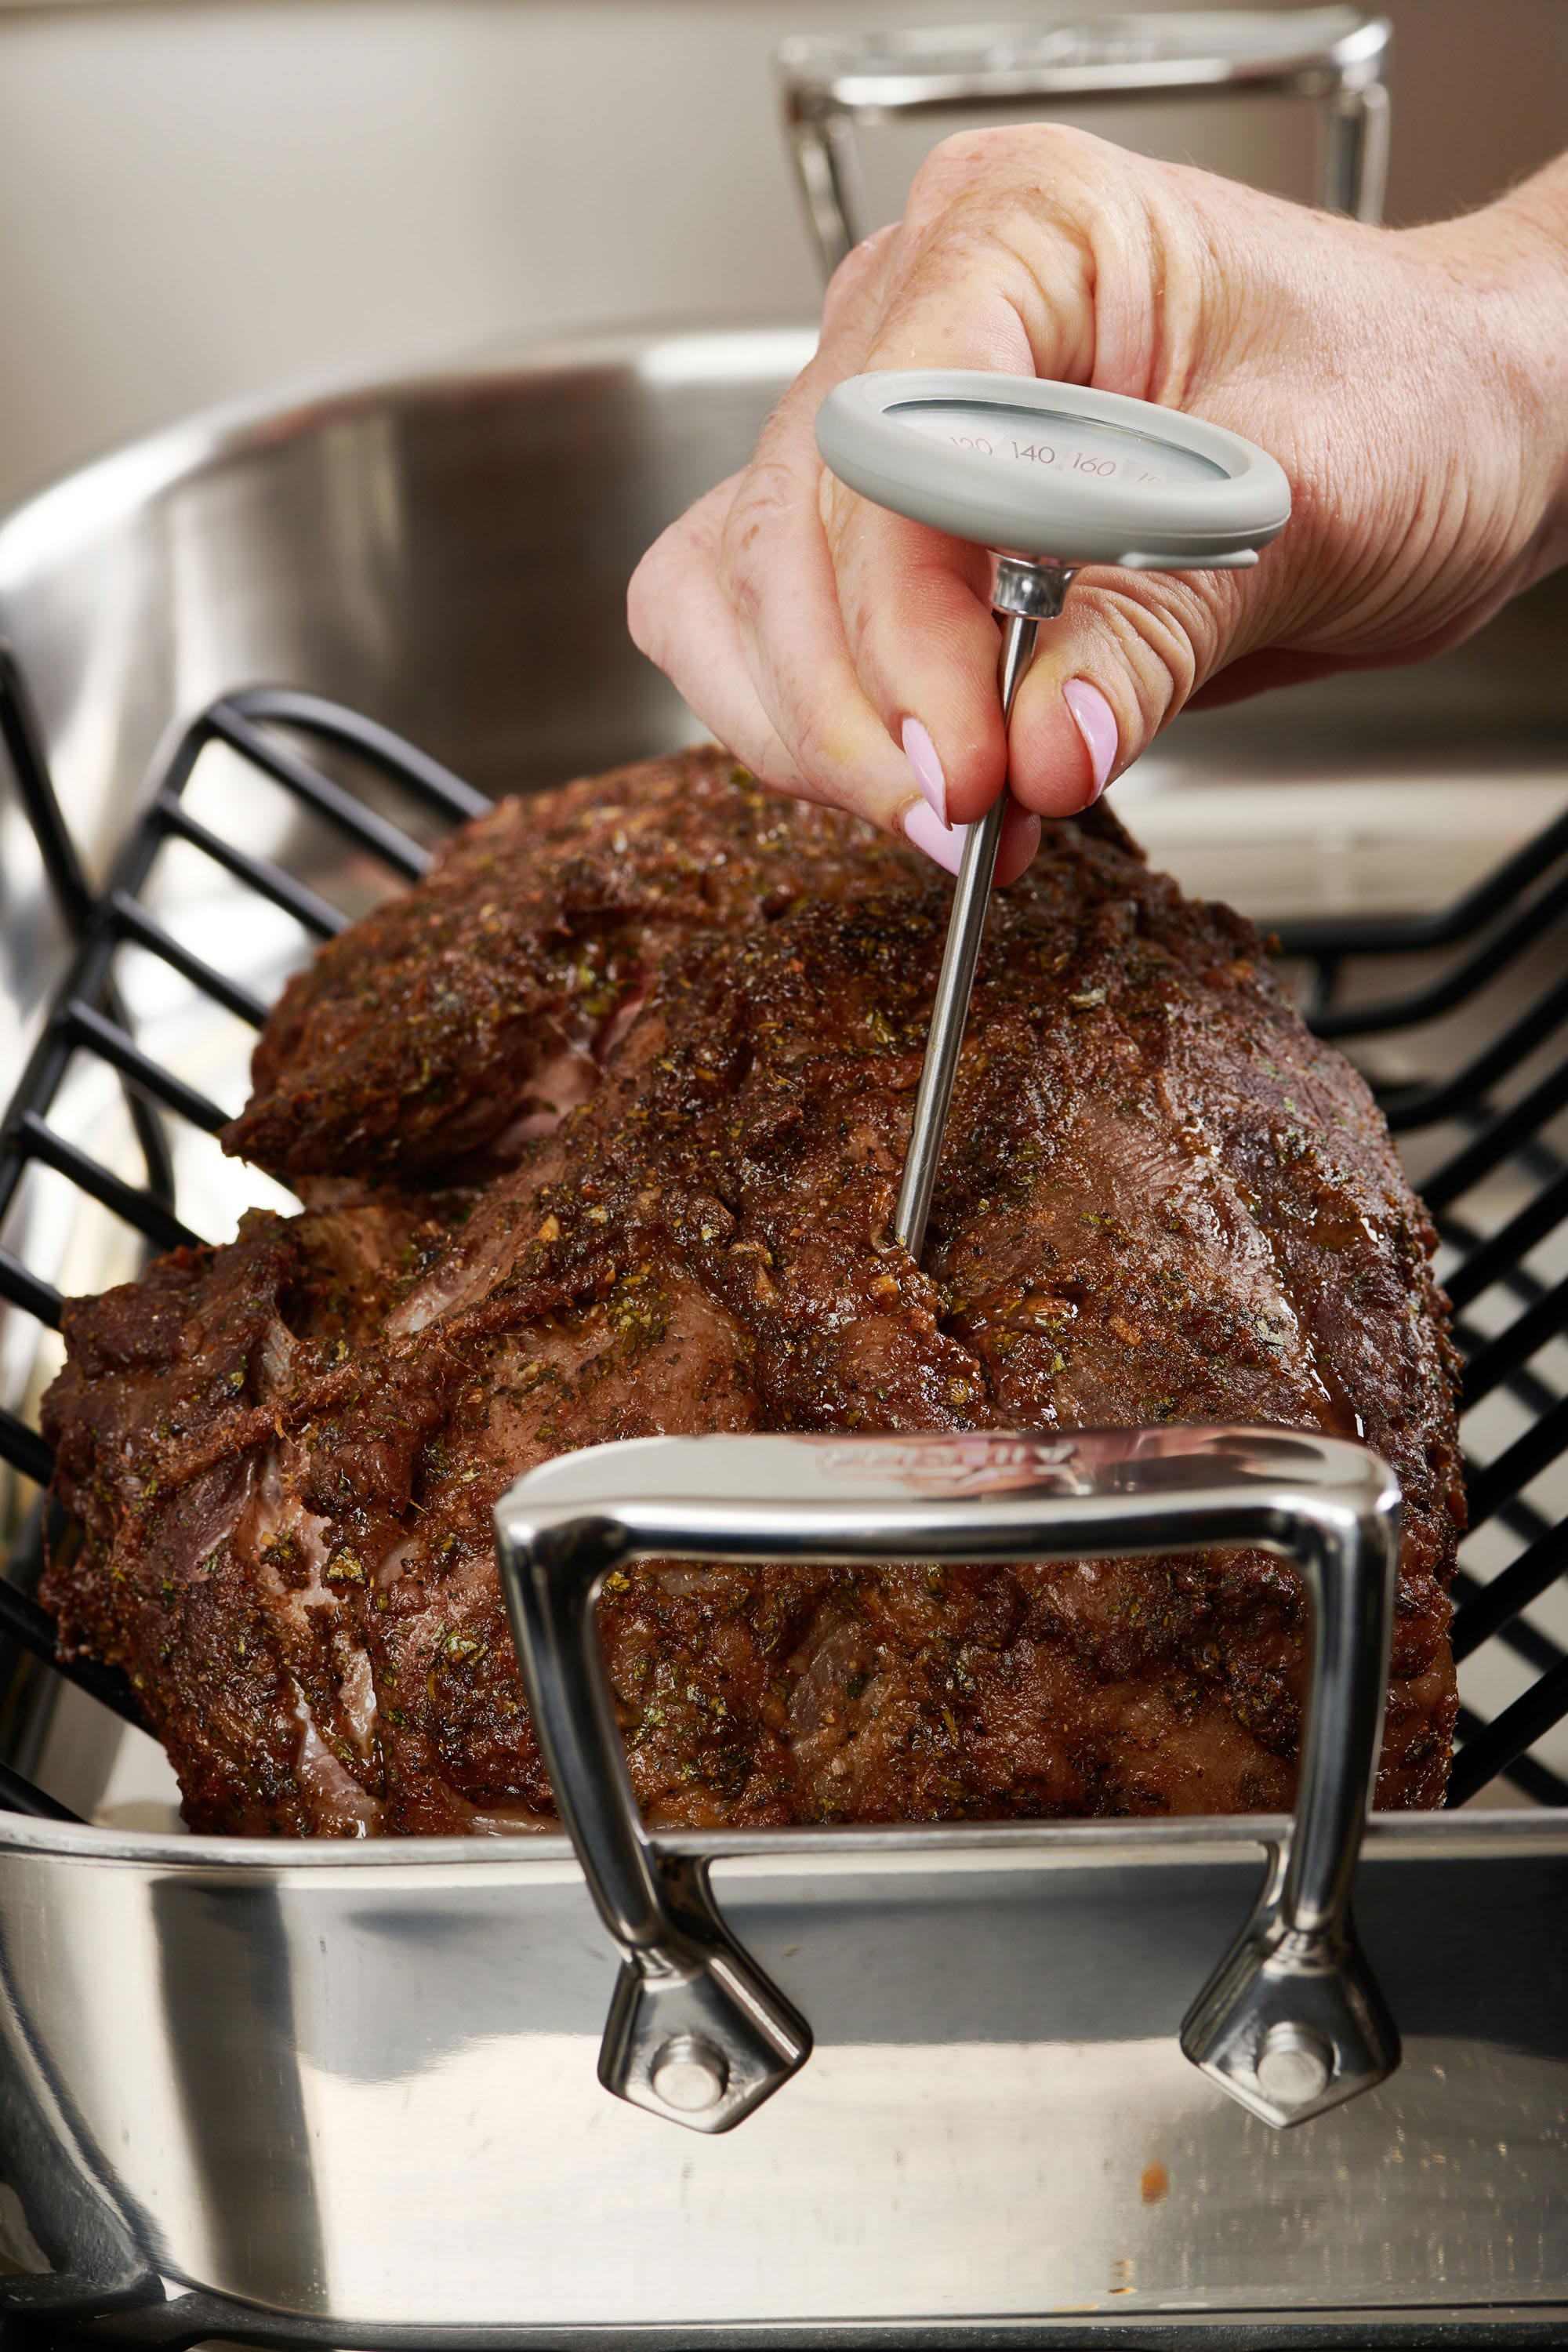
x,y
1294,2064
689,2072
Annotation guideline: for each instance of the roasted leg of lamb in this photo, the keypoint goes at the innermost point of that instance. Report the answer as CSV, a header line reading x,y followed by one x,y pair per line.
x,y
598,1130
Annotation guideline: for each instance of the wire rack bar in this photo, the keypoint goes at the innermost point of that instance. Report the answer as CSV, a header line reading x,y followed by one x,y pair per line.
x,y
148,1216
314,790
1498,1141
1533,1779
445,794
25,1450
1340,936
1490,1606
24,740
1496,1361
1502,1480
1491,1260
1459,984
131,921
1451,1098
19,1795
33,1630
1461,1240
1536,1780
1520,1634
26,1289
117,1046
296,898
1522,1519
1497,1746
1531,1390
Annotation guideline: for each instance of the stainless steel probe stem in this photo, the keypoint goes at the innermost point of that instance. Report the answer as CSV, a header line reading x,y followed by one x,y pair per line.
x,y
1026,595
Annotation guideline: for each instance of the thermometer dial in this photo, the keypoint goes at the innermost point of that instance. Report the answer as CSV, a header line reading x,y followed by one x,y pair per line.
x,y
1054,469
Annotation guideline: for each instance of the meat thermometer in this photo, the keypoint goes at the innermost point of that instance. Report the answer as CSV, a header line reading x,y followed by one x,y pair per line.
x,y
1047,477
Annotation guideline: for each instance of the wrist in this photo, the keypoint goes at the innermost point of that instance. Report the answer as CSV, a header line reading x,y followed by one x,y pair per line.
x,y
1513,258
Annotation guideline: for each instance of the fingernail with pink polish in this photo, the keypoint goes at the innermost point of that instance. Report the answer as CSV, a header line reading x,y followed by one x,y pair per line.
x,y
920,753
1097,725
943,841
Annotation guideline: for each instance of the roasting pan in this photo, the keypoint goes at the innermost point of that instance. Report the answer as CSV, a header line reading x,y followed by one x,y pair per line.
x,y
348,2096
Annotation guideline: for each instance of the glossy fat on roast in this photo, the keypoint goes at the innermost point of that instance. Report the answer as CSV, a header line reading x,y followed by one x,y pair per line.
x,y
603,1123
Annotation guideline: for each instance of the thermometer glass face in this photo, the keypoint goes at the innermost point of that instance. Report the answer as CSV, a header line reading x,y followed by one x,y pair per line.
x,y
1045,441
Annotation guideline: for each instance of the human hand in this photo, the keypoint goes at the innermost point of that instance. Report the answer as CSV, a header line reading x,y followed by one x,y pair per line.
x,y
1412,385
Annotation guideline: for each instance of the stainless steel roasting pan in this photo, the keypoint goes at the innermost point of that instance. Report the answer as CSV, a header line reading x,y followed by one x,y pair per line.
x,y
350,2095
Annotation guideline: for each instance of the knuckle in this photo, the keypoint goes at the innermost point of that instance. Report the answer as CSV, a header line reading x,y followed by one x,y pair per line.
x,y
961,151
951,177
1169,645
647,602
758,748
765,506
1069,150
808,748
995,163
857,273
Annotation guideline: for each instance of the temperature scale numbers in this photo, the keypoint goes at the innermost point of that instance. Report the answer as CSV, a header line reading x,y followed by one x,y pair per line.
x,y
1047,441
1049,453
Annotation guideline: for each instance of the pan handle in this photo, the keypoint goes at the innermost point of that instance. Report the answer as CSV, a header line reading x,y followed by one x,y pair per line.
x,y
1290,2023
830,85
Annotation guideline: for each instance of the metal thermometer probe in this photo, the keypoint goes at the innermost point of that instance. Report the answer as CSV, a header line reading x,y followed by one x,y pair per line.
x,y
1024,595
1047,477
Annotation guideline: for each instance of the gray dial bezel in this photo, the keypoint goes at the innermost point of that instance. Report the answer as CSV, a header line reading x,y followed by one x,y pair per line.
x,y
1177,526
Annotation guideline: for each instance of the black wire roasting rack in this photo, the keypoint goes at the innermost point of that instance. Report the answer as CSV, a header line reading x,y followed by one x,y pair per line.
x,y
1460,1019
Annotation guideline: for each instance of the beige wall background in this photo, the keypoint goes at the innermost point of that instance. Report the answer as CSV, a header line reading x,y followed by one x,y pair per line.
x,y
201,202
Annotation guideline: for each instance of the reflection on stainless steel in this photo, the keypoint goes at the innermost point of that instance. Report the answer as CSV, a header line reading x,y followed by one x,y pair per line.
x,y
400,547
359,2084
1293,1990
362,2084
831,86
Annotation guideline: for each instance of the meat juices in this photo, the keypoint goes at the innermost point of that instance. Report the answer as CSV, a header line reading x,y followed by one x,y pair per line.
x,y
602,1125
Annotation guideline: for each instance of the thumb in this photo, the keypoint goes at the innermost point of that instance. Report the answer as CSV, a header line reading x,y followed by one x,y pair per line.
x,y
1128,652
